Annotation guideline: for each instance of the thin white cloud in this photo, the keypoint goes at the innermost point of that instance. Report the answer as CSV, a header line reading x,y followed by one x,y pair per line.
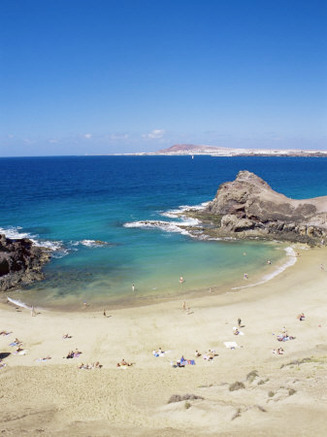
x,y
87,136
154,134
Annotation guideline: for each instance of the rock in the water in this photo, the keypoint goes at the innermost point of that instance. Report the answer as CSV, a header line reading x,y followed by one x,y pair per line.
x,y
21,262
248,207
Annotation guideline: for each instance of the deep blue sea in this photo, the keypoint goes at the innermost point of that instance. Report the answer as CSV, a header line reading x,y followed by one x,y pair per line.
x,y
72,203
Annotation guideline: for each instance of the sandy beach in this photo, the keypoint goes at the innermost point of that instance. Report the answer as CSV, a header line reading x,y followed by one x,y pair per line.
x,y
247,390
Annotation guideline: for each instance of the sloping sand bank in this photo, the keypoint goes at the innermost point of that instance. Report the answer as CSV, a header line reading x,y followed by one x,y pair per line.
x,y
248,391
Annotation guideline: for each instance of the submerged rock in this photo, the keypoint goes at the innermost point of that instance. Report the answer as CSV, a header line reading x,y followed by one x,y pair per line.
x,y
249,208
21,262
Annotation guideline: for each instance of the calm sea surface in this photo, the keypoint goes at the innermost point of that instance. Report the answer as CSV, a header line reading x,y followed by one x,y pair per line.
x,y
72,203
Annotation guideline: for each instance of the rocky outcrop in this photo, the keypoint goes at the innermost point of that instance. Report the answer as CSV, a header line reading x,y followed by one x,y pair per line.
x,y
21,262
249,208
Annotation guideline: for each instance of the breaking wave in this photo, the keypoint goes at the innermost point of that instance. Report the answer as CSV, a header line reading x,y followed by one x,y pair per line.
x,y
164,225
16,233
173,226
290,261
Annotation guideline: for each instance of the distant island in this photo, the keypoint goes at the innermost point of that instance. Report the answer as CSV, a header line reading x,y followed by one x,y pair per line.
x,y
192,150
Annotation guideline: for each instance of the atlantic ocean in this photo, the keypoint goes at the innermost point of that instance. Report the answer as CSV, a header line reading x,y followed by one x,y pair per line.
x,y
91,211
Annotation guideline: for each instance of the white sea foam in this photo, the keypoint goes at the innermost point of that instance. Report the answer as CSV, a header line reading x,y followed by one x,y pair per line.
x,y
290,261
174,213
93,243
19,303
16,233
164,225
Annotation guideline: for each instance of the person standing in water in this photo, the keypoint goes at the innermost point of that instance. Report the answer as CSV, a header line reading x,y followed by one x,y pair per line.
x,y
133,286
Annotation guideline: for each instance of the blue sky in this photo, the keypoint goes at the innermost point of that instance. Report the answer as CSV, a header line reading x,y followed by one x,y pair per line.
x,y
116,76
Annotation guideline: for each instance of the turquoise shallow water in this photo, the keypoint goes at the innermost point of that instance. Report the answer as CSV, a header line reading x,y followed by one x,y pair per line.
x,y
69,203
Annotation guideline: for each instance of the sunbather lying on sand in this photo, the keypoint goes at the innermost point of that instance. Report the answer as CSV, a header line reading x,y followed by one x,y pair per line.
x,y
159,352
283,337
183,361
279,351
73,354
66,336
95,365
5,332
210,355
124,363
44,359
20,351
301,317
16,342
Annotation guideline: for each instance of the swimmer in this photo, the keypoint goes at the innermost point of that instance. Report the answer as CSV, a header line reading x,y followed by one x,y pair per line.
x,y
246,276
181,280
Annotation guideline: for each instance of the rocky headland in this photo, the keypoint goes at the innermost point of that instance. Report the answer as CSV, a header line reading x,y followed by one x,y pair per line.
x,y
21,262
249,208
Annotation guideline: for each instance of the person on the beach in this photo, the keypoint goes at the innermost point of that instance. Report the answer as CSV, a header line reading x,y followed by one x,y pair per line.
x,y
184,306
124,363
301,317
133,286
181,280
246,276
235,331
239,321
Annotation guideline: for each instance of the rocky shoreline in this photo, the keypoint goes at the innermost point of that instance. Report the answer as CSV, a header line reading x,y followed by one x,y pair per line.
x,y
248,208
21,262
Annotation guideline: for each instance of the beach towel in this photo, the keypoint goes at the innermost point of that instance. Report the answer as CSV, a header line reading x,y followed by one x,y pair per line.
x,y
23,352
14,343
230,344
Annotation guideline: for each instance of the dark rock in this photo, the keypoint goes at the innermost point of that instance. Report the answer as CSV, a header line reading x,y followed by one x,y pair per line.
x,y
21,262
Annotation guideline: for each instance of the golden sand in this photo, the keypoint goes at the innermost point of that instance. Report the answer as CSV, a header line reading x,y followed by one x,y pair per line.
x,y
274,395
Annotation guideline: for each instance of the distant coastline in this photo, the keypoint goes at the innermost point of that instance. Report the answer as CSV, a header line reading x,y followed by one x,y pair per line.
x,y
197,150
